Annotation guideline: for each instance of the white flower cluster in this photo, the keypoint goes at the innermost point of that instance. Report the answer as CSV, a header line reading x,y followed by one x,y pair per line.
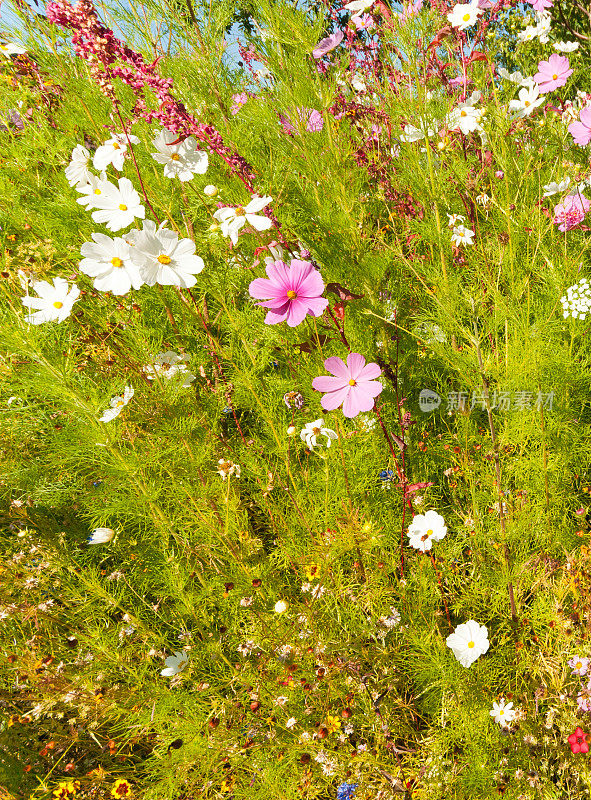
x,y
538,31
577,301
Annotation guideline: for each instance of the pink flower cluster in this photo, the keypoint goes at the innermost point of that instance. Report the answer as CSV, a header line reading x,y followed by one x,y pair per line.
x,y
571,211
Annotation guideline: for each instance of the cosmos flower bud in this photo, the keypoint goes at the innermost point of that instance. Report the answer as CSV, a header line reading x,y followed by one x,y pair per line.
x,y
280,607
210,190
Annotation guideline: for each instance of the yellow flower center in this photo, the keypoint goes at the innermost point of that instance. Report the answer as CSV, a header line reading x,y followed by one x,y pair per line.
x,y
116,146
430,532
174,157
501,712
463,113
240,212
116,262
466,17
578,665
97,191
120,403
470,645
122,207
163,259
57,304
527,103
352,382
315,431
554,77
291,295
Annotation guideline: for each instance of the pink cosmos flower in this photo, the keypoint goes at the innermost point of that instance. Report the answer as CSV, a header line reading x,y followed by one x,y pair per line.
x,y
553,73
354,384
363,21
239,100
540,5
324,46
294,291
410,10
581,131
571,211
313,119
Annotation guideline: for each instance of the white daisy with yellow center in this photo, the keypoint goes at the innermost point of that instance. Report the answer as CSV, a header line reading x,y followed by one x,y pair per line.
x,y
118,403
181,159
165,259
108,261
426,528
463,15
53,304
113,151
468,642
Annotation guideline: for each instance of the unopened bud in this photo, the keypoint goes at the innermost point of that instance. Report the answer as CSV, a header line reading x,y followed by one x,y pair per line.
x,y
210,190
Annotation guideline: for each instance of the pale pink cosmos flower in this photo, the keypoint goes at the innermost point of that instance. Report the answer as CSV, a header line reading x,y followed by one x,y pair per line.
x,y
540,5
312,118
239,100
294,292
353,384
553,74
581,130
571,211
363,21
579,665
324,46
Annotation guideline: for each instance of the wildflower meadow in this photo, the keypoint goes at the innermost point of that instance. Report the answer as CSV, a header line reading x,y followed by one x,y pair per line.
x,y
295,406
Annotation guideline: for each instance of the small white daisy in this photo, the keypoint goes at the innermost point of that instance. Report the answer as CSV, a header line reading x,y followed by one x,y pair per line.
x,y
54,303
113,151
117,404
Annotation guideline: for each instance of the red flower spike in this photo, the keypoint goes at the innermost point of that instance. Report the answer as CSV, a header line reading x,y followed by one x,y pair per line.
x,y
578,741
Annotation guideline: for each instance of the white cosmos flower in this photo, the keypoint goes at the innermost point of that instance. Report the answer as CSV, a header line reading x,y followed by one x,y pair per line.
x,y
117,404
414,134
464,14
54,303
556,188
9,49
503,713
113,151
92,190
77,171
183,159
108,261
163,258
566,47
426,528
462,235
468,642
118,206
466,118
529,99
101,536
514,77
313,430
232,219
453,219
175,664
359,6
167,365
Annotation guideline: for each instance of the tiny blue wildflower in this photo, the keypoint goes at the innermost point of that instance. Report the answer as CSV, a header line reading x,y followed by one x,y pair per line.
x,y
346,791
386,475
228,410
